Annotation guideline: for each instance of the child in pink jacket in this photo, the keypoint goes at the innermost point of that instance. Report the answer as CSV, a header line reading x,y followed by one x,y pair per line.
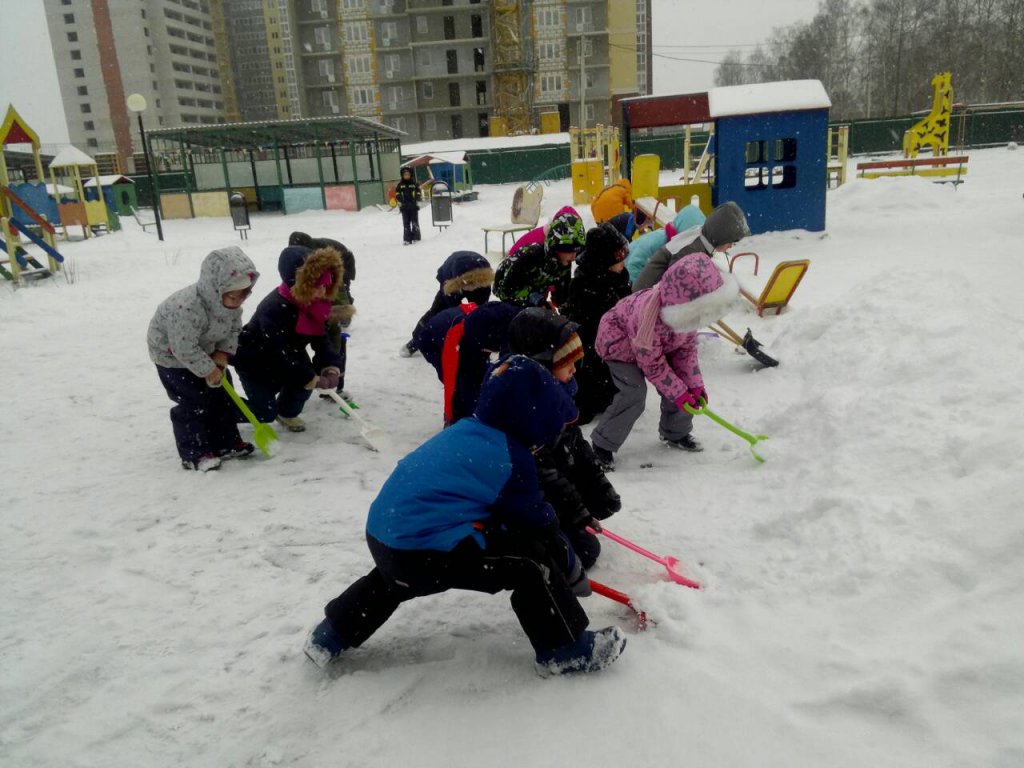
x,y
651,336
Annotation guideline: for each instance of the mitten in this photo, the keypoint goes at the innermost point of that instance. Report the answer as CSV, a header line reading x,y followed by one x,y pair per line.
x,y
214,377
685,399
329,378
699,393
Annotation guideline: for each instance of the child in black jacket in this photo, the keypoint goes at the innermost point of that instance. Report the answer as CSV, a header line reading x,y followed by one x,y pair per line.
x,y
272,362
408,196
600,281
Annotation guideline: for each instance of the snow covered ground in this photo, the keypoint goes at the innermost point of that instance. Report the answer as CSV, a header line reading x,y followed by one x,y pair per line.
x,y
864,600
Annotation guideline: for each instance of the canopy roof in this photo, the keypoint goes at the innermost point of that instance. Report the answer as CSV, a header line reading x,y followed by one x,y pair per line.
x,y
307,130
106,181
70,157
438,158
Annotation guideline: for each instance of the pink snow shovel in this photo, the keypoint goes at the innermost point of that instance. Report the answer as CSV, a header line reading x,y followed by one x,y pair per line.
x,y
669,562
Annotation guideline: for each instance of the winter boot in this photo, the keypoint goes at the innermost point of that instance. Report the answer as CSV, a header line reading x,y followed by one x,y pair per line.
x,y
591,652
205,463
292,423
239,450
684,443
323,646
407,350
606,459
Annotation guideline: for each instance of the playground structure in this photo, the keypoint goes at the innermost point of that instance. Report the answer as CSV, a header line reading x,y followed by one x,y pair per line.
x,y
17,218
933,130
767,150
595,161
452,168
77,209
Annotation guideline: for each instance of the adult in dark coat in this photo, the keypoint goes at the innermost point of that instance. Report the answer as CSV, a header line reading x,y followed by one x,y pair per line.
x,y
571,478
272,362
600,281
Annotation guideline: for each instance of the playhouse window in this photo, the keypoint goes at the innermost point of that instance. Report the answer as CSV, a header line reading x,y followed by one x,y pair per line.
x,y
784,176
770,164
755,152
785,150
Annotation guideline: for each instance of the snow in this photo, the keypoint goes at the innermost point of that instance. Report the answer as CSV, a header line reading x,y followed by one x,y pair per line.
x,y
863,600
484,143
764,98
70,156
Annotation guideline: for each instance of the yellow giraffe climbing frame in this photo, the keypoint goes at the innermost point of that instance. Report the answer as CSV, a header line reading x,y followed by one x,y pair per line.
x,y
933,130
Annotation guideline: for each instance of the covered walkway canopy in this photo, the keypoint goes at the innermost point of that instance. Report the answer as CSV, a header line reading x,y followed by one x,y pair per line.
x,y
316,163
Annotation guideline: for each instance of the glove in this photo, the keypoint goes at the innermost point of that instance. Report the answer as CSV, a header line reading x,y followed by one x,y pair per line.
x,y
214,377
329,378
685,399
699,393
536,299
220,358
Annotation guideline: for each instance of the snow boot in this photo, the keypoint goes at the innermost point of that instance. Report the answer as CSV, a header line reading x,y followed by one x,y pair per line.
x,y
605,459
684,443
591,652
205,463
292,423
322,645
239,450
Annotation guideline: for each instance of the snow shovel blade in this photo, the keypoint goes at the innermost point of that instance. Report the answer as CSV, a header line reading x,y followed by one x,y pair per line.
x,y
263,434
753,348
668,561
370,434
752,439
642,622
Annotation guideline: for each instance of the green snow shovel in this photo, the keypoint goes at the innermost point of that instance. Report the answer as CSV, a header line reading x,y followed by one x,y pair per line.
x,y
752,439
262,434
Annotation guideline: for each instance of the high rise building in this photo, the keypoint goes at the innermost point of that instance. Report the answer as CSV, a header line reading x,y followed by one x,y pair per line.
x,y
106,50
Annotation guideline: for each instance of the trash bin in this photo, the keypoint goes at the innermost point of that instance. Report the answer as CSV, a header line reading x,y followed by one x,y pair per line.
x,y
440,204
239,214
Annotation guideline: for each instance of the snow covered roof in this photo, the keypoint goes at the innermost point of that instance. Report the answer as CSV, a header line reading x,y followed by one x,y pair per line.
x,y
70,156
106,181
435,158
761,98
481,143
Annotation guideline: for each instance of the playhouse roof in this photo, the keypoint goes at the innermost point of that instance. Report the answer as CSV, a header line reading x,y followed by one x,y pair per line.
x,y
437,158
70,156
763,98
108,180
14,130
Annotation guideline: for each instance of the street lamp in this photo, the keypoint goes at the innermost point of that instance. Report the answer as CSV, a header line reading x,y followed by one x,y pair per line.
x,y
137,104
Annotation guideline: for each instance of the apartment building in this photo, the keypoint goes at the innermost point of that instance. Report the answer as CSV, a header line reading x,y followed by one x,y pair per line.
x,y
106,50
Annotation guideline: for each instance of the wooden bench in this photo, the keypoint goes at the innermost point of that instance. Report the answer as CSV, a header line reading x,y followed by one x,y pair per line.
x,y
951,169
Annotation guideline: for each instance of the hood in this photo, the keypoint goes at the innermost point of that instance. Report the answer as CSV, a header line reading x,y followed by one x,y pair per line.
x,y
221,269
301,268
626,184
487,327
537,332
464,271
348,259
726,224
520,398
602,245
694,292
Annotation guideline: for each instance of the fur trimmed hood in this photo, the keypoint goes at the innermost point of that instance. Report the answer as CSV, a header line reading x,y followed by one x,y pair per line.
x,y
694,292
464,271
301,268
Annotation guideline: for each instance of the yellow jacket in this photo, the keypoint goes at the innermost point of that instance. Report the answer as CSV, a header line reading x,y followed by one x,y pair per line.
x,y
613,200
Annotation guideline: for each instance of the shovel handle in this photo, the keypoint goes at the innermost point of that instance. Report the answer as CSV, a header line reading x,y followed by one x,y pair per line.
x,y
345,407
704,410
239,402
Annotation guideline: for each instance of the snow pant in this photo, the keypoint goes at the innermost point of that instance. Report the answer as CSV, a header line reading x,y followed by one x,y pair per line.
x,y
268,400
410,224
618,419
595,387
441,302
586,545
338,341
204,418
547,609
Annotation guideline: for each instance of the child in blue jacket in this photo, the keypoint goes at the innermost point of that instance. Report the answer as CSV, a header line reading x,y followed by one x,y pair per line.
x,y
464,511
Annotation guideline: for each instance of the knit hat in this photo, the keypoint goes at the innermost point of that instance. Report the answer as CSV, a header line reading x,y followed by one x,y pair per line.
x,y
570,352
605,246
548,338
565,233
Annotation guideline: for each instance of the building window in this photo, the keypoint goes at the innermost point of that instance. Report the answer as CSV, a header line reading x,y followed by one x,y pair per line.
x,y
76,55
425,58
454,95
456,126
549,51
430,122
551,85
589,78
452,59
584,19
393,63
353,5
548,18
422,25
89,125
362,96
449,27
356,32
69,18
83,90
428,90
86,108
397,122
79,73
356,65
91,143
72,37
476,23
588,112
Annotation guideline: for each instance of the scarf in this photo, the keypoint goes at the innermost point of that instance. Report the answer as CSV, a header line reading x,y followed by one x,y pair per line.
x,y
649,319
312,317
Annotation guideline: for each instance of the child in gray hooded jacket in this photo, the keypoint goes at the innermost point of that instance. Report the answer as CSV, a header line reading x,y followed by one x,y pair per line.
x,y
190,338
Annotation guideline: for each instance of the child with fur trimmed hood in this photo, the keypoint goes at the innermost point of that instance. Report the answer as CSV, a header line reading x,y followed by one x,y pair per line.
x,y
190,338
272,362
651,336
463,275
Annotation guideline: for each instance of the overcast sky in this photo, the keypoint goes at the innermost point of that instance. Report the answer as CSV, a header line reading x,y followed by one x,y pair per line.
x,y
689,39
